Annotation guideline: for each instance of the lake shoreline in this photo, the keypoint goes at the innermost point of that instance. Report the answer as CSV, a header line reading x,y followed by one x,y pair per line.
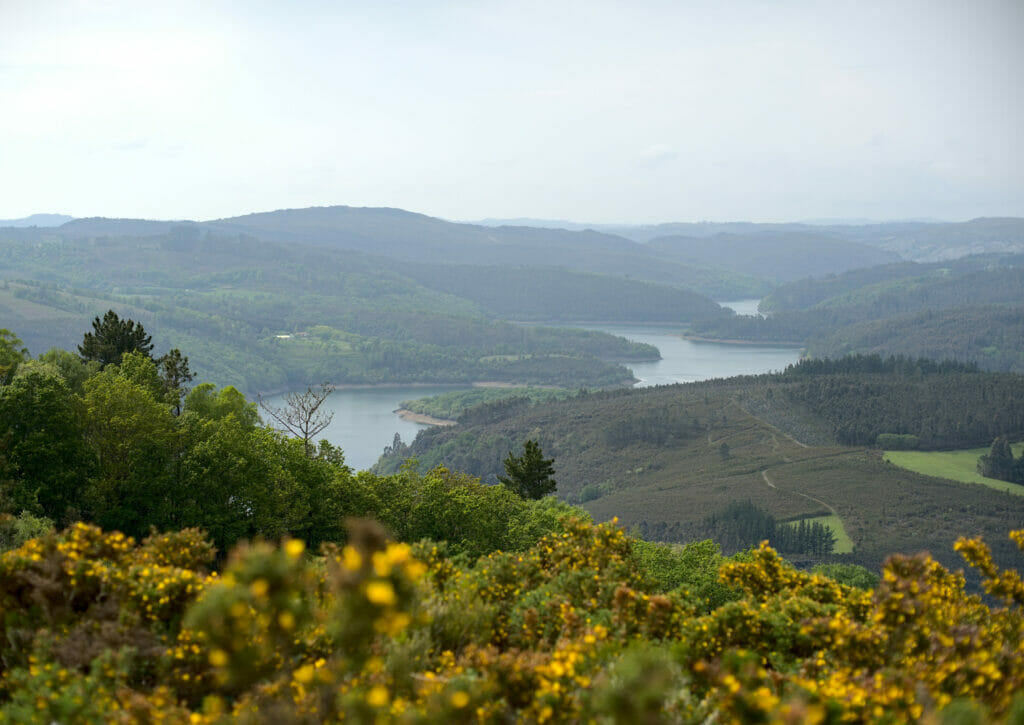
x,y
412,417
722,341
453,386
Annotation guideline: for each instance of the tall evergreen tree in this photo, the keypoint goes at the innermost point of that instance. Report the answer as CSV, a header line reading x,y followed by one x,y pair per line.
x,y
112,337
529,475
175,373
998,462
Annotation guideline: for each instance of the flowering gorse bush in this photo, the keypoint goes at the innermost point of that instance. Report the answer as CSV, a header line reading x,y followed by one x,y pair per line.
x,y
97,627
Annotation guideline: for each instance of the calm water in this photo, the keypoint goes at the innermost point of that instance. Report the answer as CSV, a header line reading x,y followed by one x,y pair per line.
x,y
365,421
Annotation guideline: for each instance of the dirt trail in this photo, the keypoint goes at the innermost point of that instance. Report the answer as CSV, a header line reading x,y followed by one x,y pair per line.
x,y
768,480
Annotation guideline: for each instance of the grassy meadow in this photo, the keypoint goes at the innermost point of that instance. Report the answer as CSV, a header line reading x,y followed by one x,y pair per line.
x,y
959,465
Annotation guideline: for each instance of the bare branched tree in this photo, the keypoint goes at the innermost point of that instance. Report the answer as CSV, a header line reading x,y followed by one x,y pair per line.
x,y
301,415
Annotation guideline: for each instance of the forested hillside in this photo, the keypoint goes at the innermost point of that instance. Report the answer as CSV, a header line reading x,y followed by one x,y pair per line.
x,y
988,336
402,236
967,310
348,317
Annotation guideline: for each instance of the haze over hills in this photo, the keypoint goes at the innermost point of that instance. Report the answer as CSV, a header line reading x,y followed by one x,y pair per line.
x,y
922,240
363,263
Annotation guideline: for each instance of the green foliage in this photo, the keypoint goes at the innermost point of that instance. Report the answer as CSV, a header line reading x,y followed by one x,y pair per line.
x,y
42,446
175,373
16,530
133,437
209,403
852,575
945,405
530,474
692,568
471,517
71,367
118,457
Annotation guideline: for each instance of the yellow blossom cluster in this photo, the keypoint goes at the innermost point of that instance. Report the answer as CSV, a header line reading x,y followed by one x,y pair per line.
x,y
99,628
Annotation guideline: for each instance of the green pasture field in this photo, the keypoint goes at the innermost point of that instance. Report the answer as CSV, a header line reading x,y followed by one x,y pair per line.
x,y
961,465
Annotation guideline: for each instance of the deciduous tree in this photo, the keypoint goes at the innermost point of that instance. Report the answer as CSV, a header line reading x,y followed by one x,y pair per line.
x,y
301,415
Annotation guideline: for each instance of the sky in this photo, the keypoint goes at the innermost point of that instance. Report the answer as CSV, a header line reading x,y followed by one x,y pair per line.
x,y
607,112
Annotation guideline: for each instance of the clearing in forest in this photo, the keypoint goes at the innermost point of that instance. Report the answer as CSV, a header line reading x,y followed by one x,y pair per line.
x,y
960,465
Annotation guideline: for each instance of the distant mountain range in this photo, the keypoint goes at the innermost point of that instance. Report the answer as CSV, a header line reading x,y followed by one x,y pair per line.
x,y
719,260
37,220
619,251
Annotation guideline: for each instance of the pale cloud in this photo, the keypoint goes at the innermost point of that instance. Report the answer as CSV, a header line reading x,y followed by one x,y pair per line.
x,y
732,109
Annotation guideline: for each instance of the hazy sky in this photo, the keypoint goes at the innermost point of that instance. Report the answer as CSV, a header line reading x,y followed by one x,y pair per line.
x,y
594,111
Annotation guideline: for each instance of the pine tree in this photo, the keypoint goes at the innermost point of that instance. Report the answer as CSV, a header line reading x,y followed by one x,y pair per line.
x,y
529,475
998,462
112,337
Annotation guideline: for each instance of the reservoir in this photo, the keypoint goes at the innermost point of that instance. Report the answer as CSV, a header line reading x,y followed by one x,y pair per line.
x,y
365,422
